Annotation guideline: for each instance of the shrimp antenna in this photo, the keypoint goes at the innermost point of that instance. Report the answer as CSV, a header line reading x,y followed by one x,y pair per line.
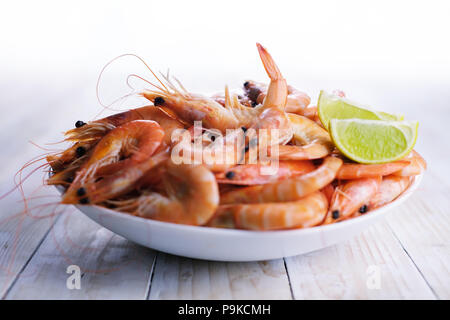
x,y
143,79
110,62
41,147
19,172
179,83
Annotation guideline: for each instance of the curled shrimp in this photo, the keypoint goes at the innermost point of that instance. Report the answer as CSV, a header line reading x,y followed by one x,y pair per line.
x,y
98,128
191,197
87,135
192,107
270,116
350,171
290,189
250,174
272,111
124,155
306,212
416,165
217,154
311,140
351,196
296,101
390,188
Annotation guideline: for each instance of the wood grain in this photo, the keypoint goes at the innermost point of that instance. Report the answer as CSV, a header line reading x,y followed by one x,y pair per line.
x,y
181,278
111,267
343,271
422,226
20,233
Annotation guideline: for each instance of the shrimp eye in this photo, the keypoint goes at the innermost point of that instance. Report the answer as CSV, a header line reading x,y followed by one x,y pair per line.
x,y
246,83
212,137
81,192
80,151
363,209
229,175
335,214
79,124
84,200
158,101
254,104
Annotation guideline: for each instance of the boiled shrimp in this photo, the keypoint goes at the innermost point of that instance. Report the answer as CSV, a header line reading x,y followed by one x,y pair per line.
x,y
311,140
135,142
350,197
296,101
306,212
417,165
98,128
290,189
87,135
272,111
390,188
78,150
356,171
191,197
250,174
270,116
195,107
192,107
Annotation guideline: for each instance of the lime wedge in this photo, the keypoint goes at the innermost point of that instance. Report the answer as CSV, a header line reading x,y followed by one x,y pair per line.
x,y
373,141
334,107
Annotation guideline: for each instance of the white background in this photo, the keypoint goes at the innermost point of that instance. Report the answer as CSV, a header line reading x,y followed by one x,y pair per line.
x,y
393,55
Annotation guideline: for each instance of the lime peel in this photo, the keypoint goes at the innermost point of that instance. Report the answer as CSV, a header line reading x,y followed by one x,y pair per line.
x,y
331,106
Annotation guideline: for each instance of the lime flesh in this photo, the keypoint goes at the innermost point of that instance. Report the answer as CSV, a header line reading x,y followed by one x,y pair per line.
x,y
373,141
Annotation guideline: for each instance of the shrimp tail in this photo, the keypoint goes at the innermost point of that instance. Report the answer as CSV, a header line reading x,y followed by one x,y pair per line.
x,y
269,64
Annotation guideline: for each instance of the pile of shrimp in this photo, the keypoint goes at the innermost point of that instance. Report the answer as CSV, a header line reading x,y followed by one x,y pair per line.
x,y
123,162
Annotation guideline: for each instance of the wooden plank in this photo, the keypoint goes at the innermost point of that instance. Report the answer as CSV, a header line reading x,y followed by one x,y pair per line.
x,y
111,267
422,225
182,278
21,234
353,270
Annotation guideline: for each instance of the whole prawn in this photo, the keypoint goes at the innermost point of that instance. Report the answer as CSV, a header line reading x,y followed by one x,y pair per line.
x,y
191,196
353,195
310,140
192,107
305,212
290,189
86,135
390,188
250,174
296,101
124,155
98,128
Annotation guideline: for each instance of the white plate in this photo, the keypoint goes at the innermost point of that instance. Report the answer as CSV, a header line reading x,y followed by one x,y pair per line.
x,y
234,245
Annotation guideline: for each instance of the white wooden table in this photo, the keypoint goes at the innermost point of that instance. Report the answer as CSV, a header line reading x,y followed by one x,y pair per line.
x,y
410,249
